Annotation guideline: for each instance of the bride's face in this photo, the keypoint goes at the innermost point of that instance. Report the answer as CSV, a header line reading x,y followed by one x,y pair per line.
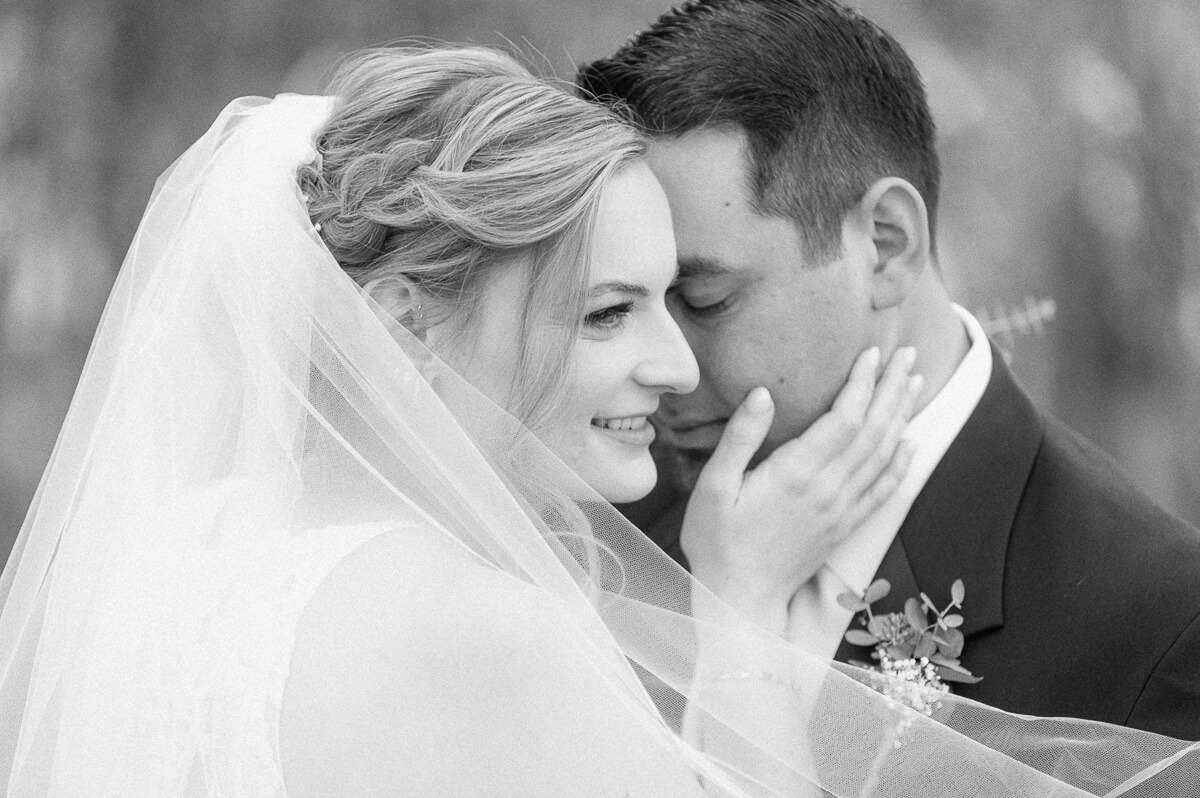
x,y
629,351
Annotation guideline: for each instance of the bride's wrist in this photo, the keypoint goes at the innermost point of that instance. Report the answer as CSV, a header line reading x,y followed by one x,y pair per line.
x,y
765,605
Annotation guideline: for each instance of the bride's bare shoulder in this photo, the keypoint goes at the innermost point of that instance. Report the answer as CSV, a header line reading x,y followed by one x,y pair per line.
x,y
414,607
420,669
408,583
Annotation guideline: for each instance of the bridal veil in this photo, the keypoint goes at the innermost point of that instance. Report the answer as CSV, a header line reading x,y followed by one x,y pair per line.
x,y
248,416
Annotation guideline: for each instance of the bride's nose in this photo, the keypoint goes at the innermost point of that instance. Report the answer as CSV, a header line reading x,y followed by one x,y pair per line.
x,y
667,364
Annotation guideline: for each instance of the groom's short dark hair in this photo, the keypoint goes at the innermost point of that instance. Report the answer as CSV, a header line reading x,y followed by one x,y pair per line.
x,y
829,102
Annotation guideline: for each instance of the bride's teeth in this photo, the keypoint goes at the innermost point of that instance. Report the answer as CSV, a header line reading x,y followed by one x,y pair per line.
x,y
620,424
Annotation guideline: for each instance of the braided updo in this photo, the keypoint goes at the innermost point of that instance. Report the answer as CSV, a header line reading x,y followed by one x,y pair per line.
x,y
443,164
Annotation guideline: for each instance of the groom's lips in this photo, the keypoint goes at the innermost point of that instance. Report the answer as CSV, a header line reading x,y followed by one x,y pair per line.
x,y
696,439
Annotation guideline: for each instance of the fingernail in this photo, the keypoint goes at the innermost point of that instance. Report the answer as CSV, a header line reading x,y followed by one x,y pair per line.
x,y
758,400
915,383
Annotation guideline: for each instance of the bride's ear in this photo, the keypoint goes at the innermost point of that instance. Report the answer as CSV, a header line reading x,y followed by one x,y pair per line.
x,y
899,230
404,300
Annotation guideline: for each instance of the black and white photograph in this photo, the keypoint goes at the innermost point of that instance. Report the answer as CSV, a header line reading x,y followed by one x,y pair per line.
x,y
540,398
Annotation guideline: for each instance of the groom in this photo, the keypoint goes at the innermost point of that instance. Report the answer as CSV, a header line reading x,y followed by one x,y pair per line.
x,y
795,144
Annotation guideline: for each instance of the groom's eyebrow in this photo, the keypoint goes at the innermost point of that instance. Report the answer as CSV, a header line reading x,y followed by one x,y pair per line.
x,y
620,287
697,266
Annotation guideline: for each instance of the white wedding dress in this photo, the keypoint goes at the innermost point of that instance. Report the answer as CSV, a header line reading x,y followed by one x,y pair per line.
x,y
281,549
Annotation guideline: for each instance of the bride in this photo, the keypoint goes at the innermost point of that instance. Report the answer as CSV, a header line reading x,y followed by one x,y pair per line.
x,y
329,514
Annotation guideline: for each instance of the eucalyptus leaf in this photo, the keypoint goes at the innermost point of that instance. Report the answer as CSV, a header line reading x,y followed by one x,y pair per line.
x,y
958,592
949,675
878,590
952,621
926,647
858,637
915,615
928,602
955,641
851,602
955,666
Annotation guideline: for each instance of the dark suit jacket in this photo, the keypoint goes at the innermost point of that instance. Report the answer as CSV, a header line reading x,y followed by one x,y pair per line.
x,y
1083,596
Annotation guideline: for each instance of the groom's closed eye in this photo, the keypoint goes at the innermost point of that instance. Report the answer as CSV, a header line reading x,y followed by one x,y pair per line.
x,y
704,287
701,303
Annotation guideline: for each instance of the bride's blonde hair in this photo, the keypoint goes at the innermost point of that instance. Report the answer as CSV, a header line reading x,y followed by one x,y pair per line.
x,y
444,164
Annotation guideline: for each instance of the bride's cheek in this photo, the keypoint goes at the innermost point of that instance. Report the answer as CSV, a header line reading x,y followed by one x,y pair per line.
x,y
568,441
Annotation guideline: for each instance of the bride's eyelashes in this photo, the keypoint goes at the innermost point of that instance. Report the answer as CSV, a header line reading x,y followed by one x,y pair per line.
x,y
609,318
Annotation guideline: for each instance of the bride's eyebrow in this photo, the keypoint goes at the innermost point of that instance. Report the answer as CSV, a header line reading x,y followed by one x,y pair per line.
x,y
617,286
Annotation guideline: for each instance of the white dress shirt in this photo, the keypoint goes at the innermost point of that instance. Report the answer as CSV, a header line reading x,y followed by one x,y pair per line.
x,y
817,620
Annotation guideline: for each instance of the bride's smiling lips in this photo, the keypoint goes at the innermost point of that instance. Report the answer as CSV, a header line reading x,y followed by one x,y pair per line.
x,y
635,430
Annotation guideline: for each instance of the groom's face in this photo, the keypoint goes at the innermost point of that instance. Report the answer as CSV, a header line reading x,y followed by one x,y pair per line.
x,y
754,311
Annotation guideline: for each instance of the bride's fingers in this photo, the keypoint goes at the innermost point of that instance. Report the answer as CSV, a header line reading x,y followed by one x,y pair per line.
x,y
871,448
830,434
854,399
879,460
894,394
744,433
883,487
893,384
882,470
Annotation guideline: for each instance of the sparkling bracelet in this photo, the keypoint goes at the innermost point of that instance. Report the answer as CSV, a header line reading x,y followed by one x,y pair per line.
x,y
767,677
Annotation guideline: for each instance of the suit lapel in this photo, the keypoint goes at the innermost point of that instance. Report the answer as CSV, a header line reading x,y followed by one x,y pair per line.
x,y
959,525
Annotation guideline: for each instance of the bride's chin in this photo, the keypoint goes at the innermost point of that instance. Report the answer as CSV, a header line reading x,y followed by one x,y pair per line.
x,y
627,483
626,497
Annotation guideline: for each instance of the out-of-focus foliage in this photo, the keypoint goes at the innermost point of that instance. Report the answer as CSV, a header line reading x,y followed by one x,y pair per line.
x,y
1069,137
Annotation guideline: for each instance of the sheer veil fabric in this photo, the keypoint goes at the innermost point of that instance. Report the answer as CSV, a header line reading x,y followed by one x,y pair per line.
x,y
251,434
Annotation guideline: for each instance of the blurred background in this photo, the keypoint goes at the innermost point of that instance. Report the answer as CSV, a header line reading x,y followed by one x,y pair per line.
x,y
1070,222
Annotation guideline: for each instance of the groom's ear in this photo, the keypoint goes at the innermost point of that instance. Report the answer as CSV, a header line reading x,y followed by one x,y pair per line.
x,y
404,300
898,224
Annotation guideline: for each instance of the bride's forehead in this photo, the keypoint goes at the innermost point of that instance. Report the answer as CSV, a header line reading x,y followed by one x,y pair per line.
x,y
633,240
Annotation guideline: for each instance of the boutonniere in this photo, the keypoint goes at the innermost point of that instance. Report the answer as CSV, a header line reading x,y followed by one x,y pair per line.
x,y
910,646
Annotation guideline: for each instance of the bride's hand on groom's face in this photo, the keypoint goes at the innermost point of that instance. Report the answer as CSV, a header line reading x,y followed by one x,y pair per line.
x,y
754,537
